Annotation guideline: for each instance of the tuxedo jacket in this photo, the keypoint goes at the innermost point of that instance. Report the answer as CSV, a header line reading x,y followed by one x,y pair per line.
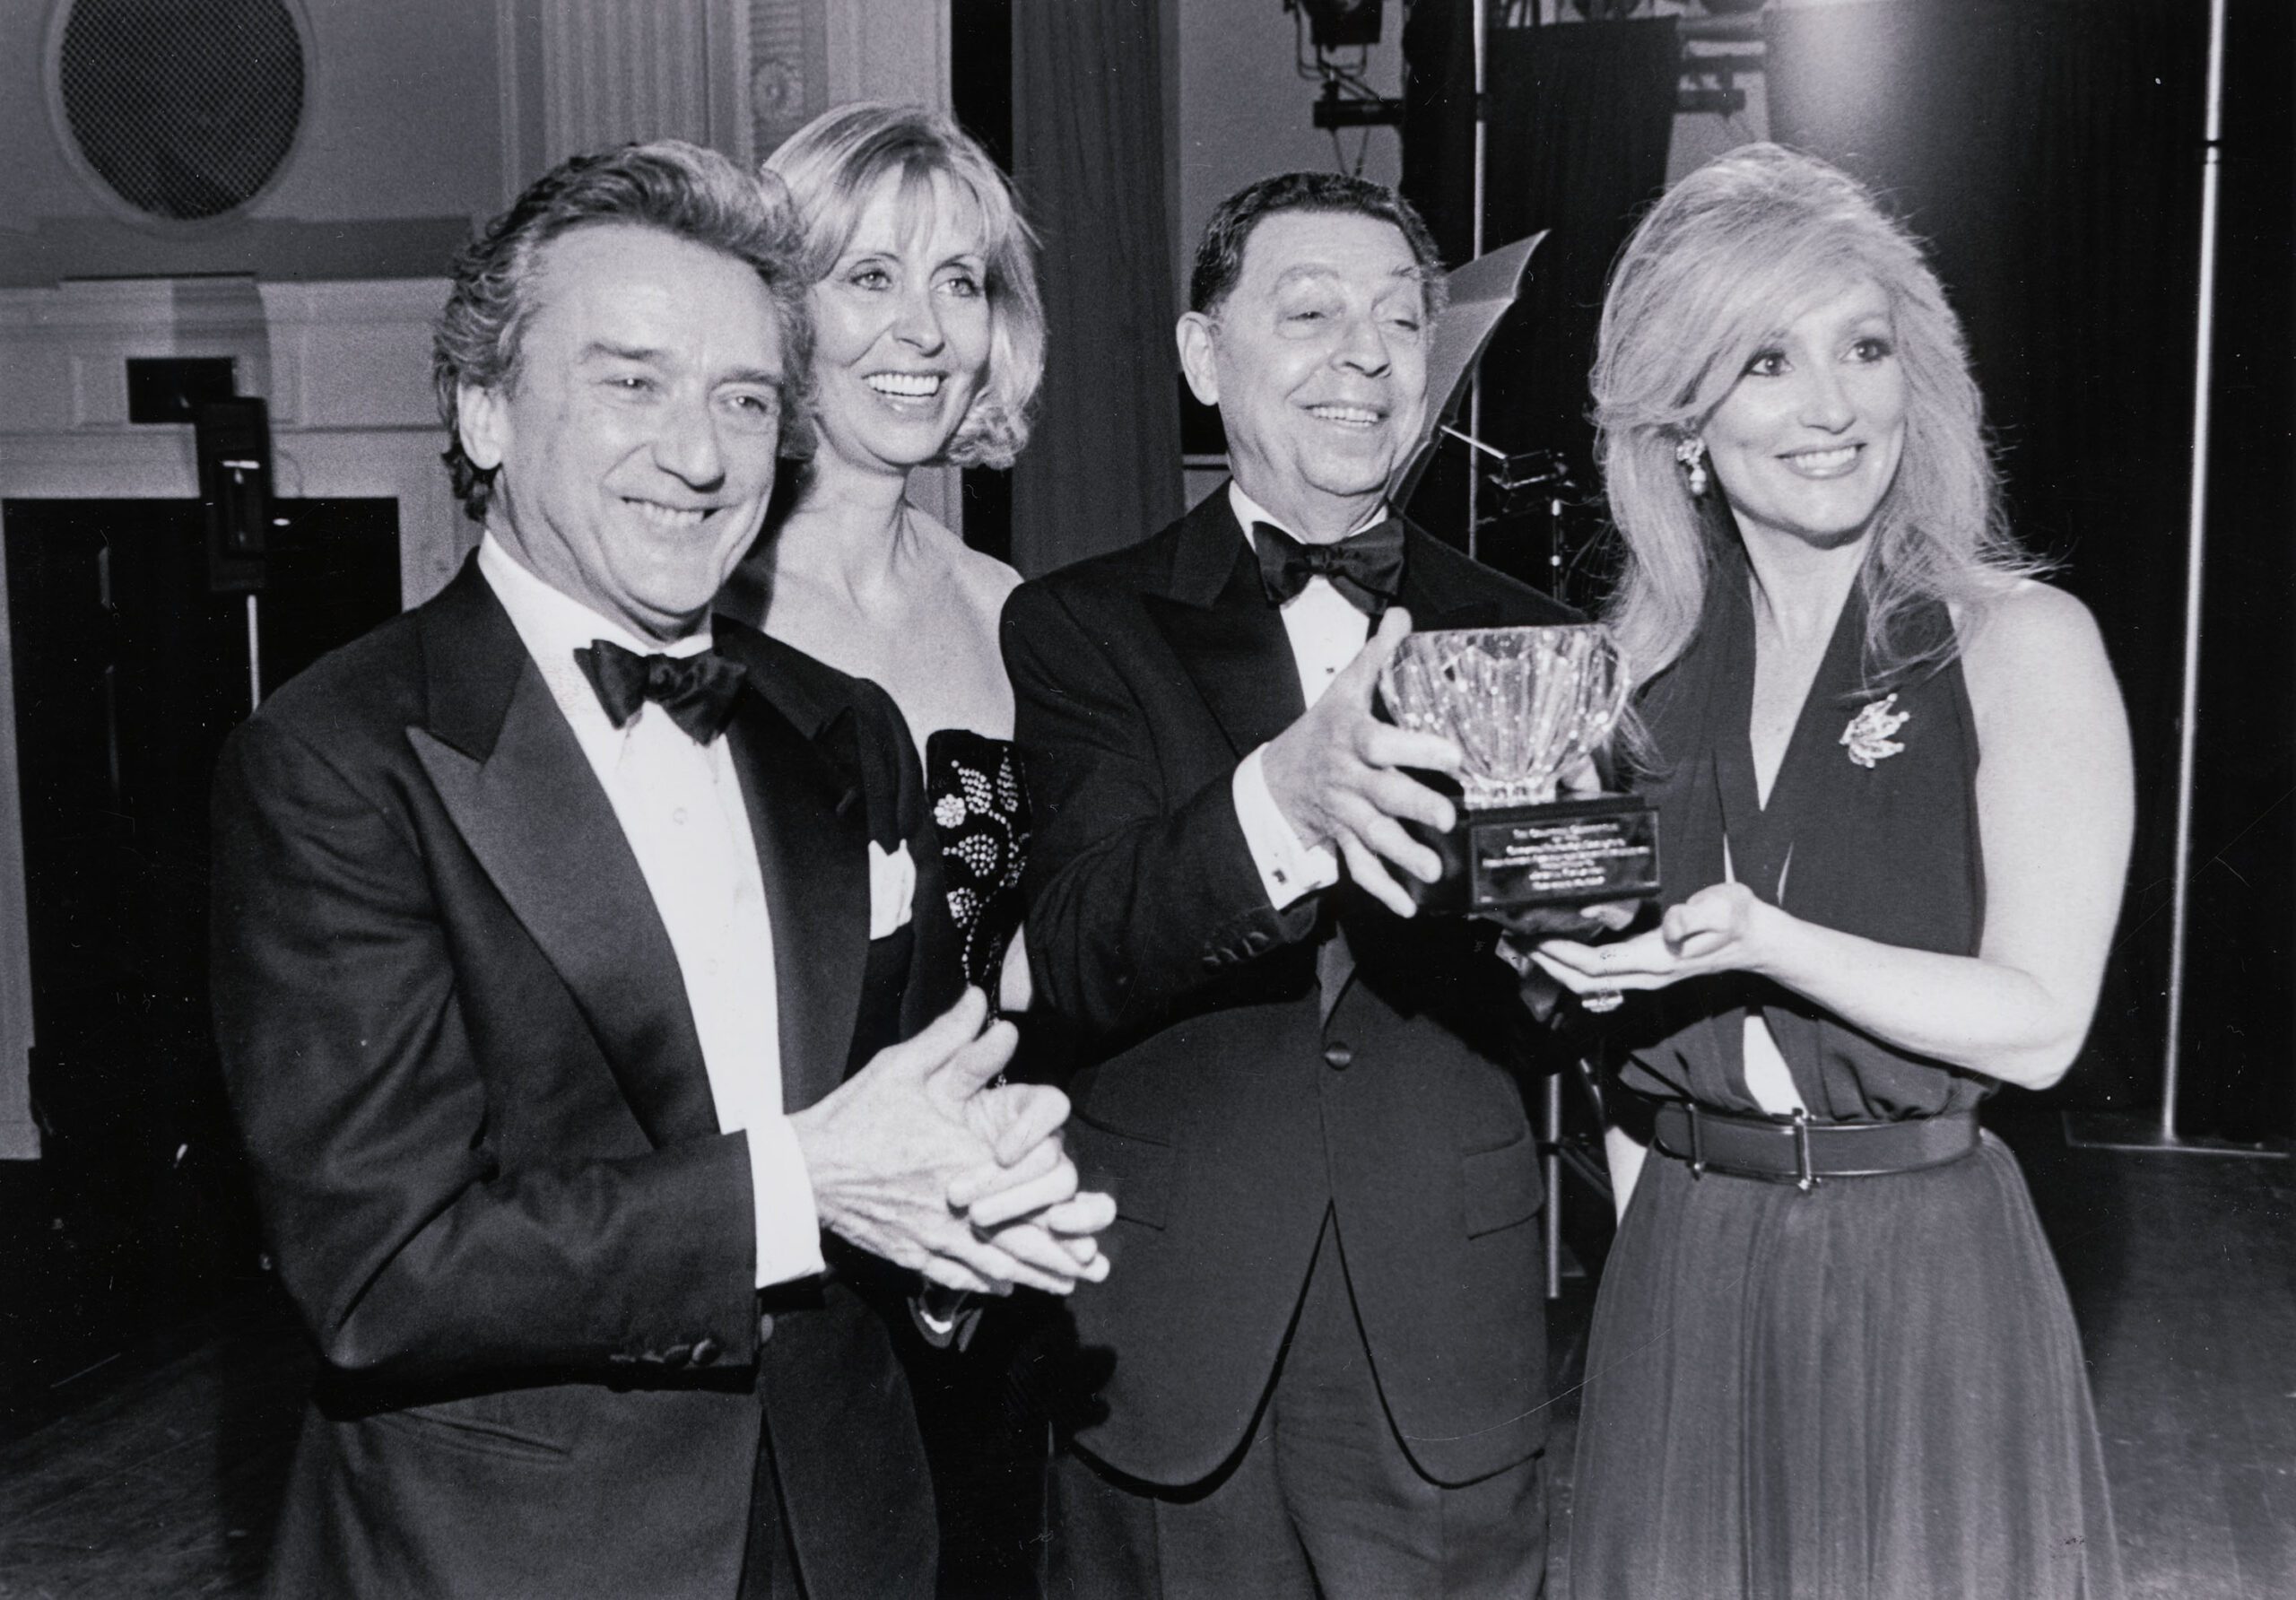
x,y
1225,1098
485,1145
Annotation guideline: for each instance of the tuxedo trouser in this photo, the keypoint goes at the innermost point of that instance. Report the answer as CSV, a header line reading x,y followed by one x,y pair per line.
x,y
769,1561
1323,1503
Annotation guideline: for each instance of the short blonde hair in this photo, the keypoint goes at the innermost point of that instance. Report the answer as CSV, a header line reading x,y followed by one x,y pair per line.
x,y
1730,254
833,166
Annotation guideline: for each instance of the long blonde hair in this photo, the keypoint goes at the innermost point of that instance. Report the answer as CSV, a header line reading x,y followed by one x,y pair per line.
x,y
1730,254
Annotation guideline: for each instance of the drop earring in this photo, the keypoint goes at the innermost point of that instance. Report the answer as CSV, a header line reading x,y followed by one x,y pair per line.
x,y
1691,453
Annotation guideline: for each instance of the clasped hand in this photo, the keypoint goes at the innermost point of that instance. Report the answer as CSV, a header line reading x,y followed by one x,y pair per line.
x,y
1721,929
923,1159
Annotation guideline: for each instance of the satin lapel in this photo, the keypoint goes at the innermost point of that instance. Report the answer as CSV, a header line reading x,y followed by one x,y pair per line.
x,y
1228,639
1806,773
1433,591
1817,778
812,849
1437,598
534,814
1684,711
1440,590
1731,704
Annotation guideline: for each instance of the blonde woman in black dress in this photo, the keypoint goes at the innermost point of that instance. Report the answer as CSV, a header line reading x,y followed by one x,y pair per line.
x,y
928,346
1832,1357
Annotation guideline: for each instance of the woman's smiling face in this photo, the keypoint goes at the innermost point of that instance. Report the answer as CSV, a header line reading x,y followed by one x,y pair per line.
x,y
1806,444
901,329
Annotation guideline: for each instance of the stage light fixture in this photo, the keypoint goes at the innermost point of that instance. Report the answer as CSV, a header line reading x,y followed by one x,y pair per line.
x,y
1344,24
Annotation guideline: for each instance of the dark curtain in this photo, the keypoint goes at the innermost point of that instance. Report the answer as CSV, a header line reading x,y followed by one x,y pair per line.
x,y
2049,150
1104,467
981,97
1439,121
1580,118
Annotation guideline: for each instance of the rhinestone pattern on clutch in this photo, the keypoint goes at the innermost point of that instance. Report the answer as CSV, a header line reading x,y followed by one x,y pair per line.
x,y
981,816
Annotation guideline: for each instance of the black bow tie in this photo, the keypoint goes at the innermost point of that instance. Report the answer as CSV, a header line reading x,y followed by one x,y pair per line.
x,y
1367,567
697,691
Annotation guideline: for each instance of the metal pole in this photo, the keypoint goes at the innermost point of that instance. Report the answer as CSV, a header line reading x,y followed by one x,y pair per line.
x,y
1481,55
255,657
1551,1165
1474,249
2196,561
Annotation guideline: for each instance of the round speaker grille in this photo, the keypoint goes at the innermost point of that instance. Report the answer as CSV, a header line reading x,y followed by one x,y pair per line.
x,y
185,108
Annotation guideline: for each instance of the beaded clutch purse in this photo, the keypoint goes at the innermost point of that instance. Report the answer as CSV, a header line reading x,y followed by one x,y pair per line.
x,y
980,812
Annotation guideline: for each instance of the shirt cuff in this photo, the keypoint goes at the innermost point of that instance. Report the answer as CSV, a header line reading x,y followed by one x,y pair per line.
x,y
788,1227
939,1309
1288,869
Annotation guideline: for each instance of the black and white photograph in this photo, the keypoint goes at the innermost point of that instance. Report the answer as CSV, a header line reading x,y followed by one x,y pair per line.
x,y
1148,800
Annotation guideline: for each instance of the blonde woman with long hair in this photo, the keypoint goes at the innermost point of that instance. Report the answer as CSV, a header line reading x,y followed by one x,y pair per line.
x,y
1832,1356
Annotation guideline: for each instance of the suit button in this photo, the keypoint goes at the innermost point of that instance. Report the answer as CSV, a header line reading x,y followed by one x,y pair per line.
x,y
764,1327
1338,1056
706,1351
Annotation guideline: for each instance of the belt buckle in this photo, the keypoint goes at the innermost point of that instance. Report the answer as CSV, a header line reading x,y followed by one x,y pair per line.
x,y
1697,1143
1804,1179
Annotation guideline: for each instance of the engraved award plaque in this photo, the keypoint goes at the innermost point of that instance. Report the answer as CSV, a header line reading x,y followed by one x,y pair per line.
x,y
1526,705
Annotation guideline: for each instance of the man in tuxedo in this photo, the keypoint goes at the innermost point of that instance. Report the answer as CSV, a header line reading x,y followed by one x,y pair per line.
x,y
1320,1364
568,983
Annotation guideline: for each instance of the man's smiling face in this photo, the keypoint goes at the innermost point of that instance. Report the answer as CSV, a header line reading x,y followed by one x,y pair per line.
x,y
637,436
1318,362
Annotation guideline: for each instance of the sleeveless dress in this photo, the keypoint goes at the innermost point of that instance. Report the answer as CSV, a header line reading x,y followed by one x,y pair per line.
x,y
1872,1391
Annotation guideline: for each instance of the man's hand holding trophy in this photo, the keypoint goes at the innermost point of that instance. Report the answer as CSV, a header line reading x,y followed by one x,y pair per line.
x,y
1534,845
1527,709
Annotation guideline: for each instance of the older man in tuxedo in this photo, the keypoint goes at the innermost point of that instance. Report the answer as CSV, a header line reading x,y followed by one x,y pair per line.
x,y
1319,1367
569,981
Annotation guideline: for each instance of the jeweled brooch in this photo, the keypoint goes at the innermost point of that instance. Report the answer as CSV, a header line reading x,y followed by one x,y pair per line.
x,y
1869,733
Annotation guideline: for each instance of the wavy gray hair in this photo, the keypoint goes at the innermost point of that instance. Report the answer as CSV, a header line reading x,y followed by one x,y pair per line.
x,y
680,189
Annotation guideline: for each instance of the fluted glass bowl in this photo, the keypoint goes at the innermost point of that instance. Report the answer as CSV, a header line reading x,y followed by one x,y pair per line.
x,y
1526,705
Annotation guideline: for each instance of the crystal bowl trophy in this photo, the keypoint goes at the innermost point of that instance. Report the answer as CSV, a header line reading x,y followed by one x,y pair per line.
x,y
1526,706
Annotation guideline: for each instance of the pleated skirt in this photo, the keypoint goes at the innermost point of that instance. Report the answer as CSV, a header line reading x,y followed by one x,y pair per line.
x,y
1874,1391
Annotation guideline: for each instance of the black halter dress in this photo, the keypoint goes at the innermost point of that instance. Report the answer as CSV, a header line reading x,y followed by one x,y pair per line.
x,y
1874,1390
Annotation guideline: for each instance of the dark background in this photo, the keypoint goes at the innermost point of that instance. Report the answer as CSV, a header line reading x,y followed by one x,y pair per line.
x,y
2049,151
130,668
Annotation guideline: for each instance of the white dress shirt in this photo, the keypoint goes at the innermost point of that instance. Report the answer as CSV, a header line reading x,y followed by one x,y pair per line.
x,y
1327,632
681,808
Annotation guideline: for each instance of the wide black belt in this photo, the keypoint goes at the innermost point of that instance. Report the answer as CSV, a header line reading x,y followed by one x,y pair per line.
x,y
1796,1151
